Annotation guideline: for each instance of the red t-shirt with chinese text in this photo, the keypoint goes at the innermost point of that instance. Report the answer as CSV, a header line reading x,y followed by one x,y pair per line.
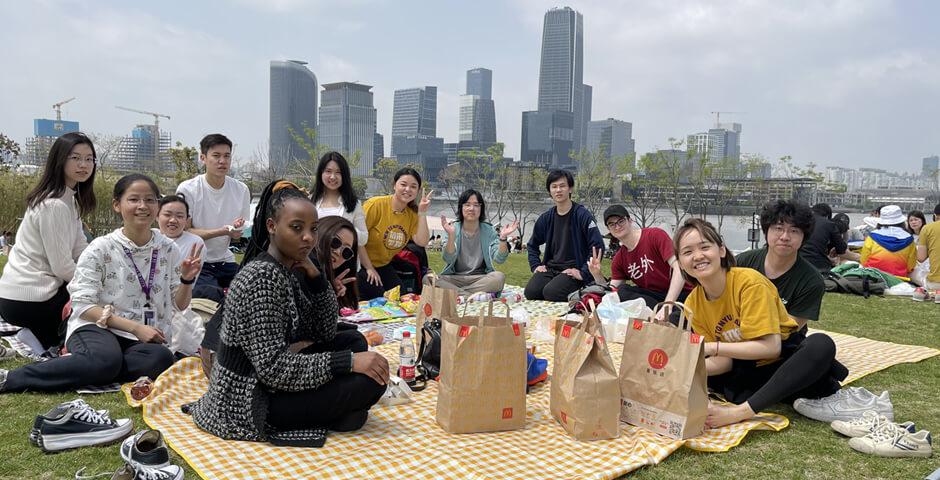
x,y
647,265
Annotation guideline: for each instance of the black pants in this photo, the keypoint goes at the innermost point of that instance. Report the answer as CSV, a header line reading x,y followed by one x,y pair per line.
x,y
214,279
390,280
552,285
44,319
651,297
340,405
807,369
97,357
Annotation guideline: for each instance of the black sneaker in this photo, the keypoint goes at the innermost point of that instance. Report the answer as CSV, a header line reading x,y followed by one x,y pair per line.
x,y
53,414
80,425
146,448
130,472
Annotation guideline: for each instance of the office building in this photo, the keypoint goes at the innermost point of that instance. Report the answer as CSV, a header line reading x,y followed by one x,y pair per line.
x,y
293,107
547,138
480,83
721,144
414,114
425,152
612,137
931,165
347,122
561,70
45,132
378,145
143,151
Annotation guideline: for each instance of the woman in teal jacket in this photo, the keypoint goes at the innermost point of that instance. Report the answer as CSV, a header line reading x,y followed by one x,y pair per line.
x,y
473,246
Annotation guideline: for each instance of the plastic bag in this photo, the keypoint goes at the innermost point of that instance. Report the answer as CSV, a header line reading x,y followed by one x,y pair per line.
x,y
615,315
396,393
186,332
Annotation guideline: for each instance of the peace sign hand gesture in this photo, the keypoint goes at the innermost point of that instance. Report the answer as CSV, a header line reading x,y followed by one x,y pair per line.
x,y
508,229
192,264
425,202
594,264
339,283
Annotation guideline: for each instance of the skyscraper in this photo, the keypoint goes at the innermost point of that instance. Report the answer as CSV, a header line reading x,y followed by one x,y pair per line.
x,y
612,137
347,122
414,114
561,71
547,138
480,83
293,106
930,166
378,146
586,100
720,143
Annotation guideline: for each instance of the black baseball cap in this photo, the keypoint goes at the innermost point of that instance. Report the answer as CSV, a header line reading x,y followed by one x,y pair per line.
x,y
616,211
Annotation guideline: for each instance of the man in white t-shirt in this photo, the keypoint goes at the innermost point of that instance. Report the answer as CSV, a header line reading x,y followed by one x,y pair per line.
x,y
219,206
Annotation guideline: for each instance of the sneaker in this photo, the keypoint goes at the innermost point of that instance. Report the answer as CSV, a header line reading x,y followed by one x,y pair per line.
x,y
146,448
891,441
130,472
80,425
56,412
869,422
921,295
845,405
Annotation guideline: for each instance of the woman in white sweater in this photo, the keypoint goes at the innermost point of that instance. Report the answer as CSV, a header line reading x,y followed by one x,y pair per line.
x,y
126,288
49,240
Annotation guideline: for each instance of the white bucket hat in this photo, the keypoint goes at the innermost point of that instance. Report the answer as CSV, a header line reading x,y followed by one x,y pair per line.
x,y
891,215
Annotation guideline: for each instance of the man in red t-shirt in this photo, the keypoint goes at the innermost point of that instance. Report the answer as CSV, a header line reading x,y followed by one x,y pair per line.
x,y
645,257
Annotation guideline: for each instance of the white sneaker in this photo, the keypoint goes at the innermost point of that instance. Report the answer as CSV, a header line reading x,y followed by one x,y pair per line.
x,y
869,422
139,472
892,441
845,405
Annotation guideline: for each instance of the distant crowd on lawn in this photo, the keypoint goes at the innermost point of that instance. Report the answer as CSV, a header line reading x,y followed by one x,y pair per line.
x,y
286,370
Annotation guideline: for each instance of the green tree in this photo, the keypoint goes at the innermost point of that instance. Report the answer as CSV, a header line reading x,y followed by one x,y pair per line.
x,y
185,160
384,170
8,148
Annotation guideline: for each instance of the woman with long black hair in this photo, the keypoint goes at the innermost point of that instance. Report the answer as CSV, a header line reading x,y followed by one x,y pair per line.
x,y
49,241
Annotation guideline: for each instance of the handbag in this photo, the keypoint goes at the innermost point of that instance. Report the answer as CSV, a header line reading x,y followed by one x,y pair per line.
x,y
429,351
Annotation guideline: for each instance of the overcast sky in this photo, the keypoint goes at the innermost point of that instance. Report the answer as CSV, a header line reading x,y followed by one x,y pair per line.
x,y
852,83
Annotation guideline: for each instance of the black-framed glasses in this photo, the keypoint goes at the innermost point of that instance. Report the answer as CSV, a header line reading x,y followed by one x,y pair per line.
x,y
345,252
617,223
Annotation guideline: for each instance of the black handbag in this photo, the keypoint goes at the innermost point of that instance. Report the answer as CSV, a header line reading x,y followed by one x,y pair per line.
x,y
429,353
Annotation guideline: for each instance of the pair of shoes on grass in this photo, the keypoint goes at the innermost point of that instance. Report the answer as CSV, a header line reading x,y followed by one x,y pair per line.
x,y
76,424
923,295
875,434
847,404
145,458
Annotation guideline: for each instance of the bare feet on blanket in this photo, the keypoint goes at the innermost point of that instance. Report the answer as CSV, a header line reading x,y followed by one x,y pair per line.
x,y
720,414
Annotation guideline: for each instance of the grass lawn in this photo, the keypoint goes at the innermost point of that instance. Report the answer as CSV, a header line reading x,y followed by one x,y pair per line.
x,y
806,449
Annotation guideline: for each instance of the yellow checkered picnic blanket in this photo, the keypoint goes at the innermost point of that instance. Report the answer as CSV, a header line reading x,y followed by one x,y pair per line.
x,y
404,441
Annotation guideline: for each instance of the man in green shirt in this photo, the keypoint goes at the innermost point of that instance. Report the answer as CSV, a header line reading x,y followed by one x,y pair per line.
x,y
799,284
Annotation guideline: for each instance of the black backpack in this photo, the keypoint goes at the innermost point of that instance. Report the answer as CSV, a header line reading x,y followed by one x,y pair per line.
x,y
429,352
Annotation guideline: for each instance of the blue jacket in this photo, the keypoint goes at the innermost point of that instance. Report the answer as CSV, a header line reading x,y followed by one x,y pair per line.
x,y
584,236
490,240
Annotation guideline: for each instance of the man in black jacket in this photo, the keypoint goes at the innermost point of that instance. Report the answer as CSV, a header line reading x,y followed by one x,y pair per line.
x,y
825,238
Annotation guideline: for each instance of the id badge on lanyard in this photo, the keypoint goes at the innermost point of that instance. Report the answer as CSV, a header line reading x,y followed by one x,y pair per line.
x,y
148,316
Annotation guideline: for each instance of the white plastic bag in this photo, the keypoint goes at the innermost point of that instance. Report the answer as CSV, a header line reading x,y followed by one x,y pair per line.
x,y
397,392
186,332
615,315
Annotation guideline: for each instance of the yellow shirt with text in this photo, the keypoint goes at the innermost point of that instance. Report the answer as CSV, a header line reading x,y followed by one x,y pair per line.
x,y
389,232
748,309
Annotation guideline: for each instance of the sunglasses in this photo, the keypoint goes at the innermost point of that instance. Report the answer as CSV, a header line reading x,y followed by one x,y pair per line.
x,y
345,252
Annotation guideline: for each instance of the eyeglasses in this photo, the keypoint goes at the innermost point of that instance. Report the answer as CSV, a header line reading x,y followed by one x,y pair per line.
x,y
618,223
474,206
345,252
79,160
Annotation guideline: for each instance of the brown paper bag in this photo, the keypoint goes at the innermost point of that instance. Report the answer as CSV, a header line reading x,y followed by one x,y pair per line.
x,y
436,302
483,374
585,390
663,379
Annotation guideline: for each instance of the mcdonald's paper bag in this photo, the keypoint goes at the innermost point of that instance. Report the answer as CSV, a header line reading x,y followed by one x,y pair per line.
x,y
483,374
585,390
663,379
436,302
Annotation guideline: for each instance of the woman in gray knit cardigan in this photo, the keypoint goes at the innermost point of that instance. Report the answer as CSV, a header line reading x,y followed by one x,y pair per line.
x,y
264,387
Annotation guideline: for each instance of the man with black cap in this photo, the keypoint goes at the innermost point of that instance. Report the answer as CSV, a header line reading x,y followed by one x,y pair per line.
x,y
645,257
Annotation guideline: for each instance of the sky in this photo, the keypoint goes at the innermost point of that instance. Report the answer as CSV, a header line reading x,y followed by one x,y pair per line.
x,y
853,83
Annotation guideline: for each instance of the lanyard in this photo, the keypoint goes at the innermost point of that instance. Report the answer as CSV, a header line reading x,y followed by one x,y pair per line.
x,y
145,287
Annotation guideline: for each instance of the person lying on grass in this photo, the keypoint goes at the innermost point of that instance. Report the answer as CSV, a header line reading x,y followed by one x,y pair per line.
x,y
126,288
756,354
262,388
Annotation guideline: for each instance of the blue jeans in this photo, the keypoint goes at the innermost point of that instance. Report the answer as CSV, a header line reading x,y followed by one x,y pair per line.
x,y
214,279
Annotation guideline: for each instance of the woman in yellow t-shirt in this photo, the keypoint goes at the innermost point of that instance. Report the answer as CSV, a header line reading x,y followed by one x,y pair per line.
x,y
756,355
392,220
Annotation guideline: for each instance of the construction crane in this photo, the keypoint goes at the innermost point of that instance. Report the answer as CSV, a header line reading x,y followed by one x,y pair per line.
x,y
718,117
58,107
156,127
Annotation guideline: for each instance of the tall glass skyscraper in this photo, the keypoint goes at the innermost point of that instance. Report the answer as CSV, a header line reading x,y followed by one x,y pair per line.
x,y
414,114
293,106
477,119
561,72
347,122
480,83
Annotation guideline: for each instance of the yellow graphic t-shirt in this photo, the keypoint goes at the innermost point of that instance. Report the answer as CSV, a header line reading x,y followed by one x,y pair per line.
x,y
748,309
389,232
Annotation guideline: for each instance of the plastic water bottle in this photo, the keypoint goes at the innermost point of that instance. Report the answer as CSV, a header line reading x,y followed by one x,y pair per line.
x,y
406,359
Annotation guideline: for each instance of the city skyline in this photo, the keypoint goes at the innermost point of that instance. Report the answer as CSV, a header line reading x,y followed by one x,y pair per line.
x,y
841,84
